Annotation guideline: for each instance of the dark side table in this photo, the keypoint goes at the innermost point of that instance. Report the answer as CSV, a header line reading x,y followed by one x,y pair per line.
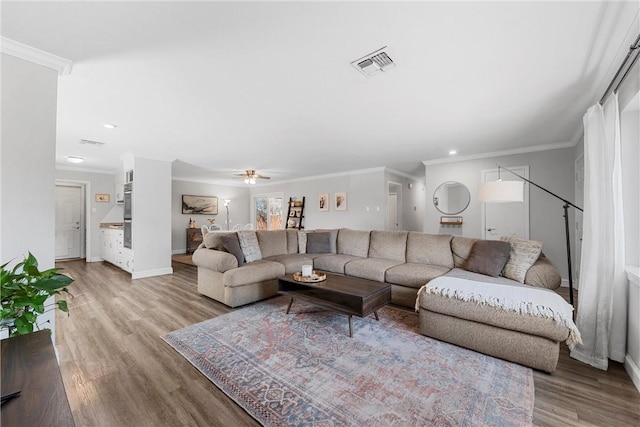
x,y
29,365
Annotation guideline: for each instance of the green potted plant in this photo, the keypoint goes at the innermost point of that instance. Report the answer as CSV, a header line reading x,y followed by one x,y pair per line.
x,y
24,292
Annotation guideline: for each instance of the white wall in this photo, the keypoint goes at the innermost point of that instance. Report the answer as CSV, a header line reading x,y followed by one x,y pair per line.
x,y
413,201
551,169
238,210
27,158
366,199
98,183
151,218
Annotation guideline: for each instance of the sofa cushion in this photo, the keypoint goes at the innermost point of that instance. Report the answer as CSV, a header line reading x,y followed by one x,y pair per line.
x,y
388,245
522,256
318,243
488,257
433,249
333,263
272,242
232,245
369,268
413,275
505,319
213,240
258,271
353,242
293,262
250,247
292,242
461,249
333,238
477,277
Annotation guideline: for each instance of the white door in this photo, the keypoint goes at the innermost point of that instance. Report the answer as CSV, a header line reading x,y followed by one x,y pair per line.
x,y
393,212
506,219
69,221
579,169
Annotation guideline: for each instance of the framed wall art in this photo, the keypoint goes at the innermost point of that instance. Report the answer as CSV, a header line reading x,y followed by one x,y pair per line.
x,y
102,198
323,202
199,205
341,201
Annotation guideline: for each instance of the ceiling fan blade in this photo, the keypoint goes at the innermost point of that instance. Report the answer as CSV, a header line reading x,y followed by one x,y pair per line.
x,y
261,176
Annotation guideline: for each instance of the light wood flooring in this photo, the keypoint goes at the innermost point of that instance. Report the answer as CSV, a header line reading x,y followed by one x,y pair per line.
x,y
118,372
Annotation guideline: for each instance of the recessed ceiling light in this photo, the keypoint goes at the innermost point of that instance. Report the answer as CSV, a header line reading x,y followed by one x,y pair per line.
x,y
75,159
109,125
452,152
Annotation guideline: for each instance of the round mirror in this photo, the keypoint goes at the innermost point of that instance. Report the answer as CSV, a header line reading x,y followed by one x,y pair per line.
x,y
451,197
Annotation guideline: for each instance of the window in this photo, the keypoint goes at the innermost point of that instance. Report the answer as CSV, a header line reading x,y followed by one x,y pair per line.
x,y
268,211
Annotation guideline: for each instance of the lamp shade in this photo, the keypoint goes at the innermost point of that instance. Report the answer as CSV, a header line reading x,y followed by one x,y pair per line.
x,y
501,191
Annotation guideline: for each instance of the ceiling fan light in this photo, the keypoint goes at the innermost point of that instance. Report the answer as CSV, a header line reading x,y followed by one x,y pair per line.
x,y
252,181
246,180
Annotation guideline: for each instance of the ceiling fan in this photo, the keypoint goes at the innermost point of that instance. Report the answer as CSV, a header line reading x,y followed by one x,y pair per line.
x,y
250,176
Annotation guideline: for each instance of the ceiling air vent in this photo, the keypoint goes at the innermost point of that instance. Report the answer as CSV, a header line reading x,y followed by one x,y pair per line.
x,y
89,142
375,63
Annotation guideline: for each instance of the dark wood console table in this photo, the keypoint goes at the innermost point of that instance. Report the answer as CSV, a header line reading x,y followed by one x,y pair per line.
x,y
29,365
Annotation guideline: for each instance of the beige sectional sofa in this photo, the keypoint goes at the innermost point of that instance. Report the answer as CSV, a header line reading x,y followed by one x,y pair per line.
x,y
406,260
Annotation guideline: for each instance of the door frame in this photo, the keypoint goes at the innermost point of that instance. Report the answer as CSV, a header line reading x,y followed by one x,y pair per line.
x,y
398,193
85,230
525,173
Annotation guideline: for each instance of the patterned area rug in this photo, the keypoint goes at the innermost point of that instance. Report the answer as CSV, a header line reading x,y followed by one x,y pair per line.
x,y
303,369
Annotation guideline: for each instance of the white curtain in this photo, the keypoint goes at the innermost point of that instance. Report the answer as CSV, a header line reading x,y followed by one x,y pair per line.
x,y
602,305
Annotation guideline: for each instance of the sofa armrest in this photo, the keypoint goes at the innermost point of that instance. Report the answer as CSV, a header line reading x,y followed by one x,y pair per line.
x,y
543,274
214,260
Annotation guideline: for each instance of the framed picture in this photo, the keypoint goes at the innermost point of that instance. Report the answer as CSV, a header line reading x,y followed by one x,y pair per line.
x,y
323,202
341,201
199,205
102,198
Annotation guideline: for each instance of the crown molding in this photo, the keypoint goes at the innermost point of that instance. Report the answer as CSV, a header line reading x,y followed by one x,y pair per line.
x,y
510,152
403,174
28,53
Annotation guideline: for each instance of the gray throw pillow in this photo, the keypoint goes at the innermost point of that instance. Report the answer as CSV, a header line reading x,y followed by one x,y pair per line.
x,y
488,257
318,243
232,245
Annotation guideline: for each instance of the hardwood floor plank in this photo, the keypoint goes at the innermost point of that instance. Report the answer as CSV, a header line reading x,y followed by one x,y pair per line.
x,y
118,371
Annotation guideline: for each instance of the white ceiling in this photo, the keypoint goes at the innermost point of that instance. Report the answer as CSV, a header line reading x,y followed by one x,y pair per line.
x,y
219,87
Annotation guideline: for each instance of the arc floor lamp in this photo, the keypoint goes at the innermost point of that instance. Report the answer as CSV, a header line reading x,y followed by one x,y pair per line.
x,y
513,191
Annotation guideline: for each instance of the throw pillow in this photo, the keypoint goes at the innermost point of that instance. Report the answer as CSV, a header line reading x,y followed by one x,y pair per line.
x,y
249,244
302,242
318,243
232,245
523,254
213,240
488,257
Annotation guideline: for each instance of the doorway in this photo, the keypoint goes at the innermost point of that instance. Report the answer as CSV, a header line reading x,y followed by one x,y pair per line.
x,y
70,221
506,219
394,205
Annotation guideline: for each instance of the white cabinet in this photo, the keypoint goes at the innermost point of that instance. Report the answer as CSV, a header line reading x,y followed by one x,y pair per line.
x,y
119,192
112,249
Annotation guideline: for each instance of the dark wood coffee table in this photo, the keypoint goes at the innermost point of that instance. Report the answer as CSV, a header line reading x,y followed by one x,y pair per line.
x,y
344,294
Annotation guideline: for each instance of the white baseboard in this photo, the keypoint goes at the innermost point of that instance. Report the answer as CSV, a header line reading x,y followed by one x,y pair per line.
x,y
179,251
94,259
151,273
632,370
565,283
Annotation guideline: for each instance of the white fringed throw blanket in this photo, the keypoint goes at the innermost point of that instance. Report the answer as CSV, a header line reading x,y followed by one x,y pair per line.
x,y
519,299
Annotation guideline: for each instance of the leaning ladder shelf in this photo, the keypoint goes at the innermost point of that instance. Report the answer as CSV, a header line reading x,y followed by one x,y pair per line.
x,y
295,214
